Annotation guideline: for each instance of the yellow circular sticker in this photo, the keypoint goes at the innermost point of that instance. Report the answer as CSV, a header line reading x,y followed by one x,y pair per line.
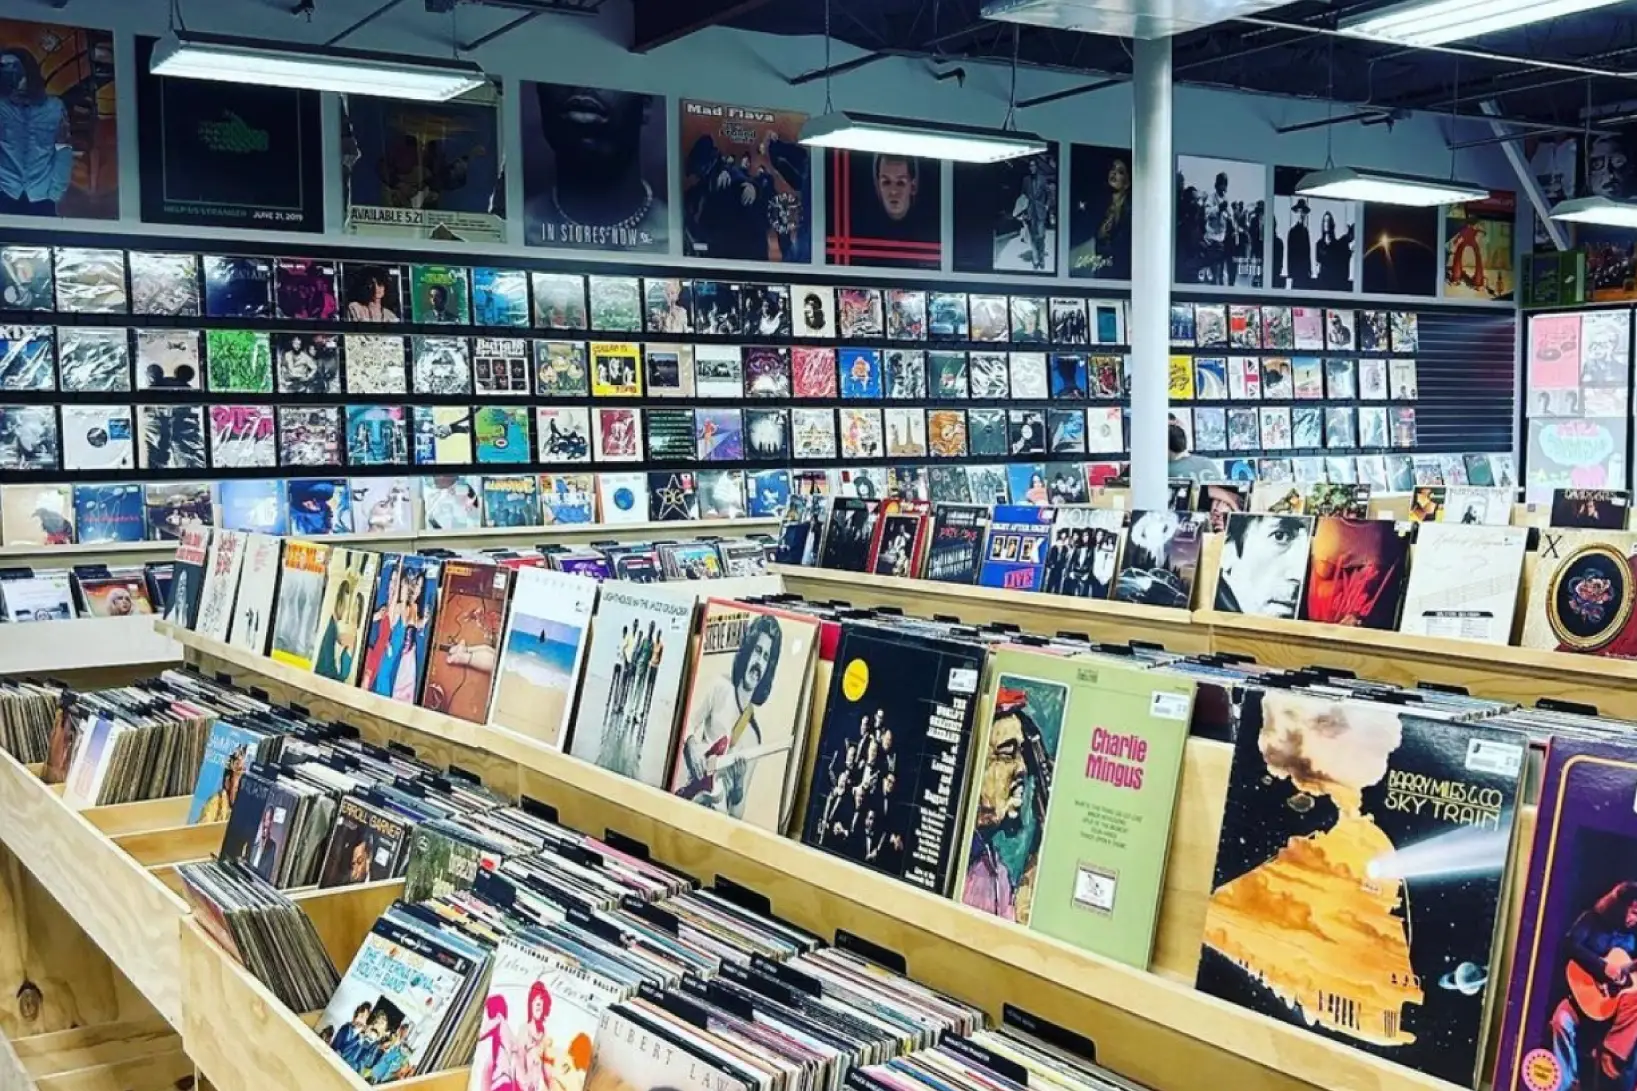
x,y
855,680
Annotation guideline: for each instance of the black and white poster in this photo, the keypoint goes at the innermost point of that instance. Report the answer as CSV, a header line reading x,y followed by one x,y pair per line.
x,y
1221,204
228,154
1006,215
594,171
1315,240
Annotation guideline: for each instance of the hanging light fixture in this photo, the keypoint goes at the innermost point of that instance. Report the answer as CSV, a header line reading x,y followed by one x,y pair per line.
x,y
187,55
1598,210
877,134
1439,22
1386,187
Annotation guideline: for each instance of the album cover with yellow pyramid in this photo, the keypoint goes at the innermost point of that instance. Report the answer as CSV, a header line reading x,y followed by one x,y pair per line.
x,y
1360,873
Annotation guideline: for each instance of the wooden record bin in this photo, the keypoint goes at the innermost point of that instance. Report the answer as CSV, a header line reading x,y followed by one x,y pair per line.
x,y
1152,1027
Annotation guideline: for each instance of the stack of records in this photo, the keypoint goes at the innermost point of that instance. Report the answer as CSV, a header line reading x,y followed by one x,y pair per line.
x,y
28,710
267,932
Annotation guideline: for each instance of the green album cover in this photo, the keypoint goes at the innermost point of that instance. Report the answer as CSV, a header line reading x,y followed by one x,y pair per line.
x,y
440,295
1072,819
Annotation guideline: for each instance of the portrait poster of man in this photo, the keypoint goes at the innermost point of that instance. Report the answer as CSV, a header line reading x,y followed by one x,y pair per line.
x,y
1317,242
747,187
1478,248
747,705
1006,215
1555,163
885,210
1611,252
594,169
1013,787
1220,206
62,143
228,154
1099,212
423,170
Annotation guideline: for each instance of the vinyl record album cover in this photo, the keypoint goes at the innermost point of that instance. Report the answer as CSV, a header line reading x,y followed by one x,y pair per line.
x,y
767,372
743,728
891,771
559,301
25,278
1331,908
767,434
299,612
94,360
501,365
561,370
1264,563
98,438
441,365
223,561
258,586
374,292
319,506
668,370
1357,572
310,435
719,435
169,360
37,514
175,506
91,281
1581,594
27,358
395,641
616,304
451,502
616,369
241,436
305,289
541,655
667,306
100,513
382,505
173,437
238,362
1015,552
672,497
500,297
237,287
1161,558
441,435
500,434
377,435
1464,583
465,641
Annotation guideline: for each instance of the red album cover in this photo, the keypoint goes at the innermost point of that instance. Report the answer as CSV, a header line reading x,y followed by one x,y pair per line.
x,y
900,538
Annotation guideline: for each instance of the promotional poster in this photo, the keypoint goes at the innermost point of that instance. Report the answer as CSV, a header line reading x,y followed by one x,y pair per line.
x,y
747,706
1006,215
62,143
1401,255
1099,212
891,764
1359,875
594,169
885,210
228,154
422,170
746,184
1220,207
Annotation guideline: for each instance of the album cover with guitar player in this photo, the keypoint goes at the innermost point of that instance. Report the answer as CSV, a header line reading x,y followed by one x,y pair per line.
x,y
743,731
1571,1011
466,640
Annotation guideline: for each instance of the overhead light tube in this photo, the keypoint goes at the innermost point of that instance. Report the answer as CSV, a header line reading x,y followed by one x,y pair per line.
x,y
324,68
925,139
1439,22
1385,187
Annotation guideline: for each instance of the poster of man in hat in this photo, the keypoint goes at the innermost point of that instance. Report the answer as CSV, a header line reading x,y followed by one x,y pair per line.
x,y
1315,241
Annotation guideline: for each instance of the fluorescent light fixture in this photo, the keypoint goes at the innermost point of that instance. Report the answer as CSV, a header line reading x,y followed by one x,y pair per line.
x,y
927,139
1124,18
282,64
1596,210
1384,187
1437,22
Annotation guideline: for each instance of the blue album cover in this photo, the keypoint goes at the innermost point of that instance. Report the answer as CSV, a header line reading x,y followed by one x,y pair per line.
x,y
860,373
567,498
768,493
228,754
500,297
1014,555
320,506
256,505
110,513
396,643
511,500
1241,469
1026,483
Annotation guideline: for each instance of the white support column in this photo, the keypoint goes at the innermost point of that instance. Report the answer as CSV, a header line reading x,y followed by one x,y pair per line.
x,y
1153,227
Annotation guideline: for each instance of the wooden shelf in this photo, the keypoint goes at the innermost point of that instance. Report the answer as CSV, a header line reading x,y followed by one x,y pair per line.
x,y
137,1056
87,643
129,912
1152,1027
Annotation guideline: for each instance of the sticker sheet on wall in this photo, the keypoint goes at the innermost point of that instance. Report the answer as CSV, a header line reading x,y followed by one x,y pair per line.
x,y
422,170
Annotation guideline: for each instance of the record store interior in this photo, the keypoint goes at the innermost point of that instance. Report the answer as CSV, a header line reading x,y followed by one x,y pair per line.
x,y
803,545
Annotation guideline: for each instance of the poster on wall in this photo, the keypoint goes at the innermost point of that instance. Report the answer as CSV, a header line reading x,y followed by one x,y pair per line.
x,y
885,210
1478,248
228,154
1099,212
747,185
1400,250
1315,240
1575,454
1555,165
1006,215
594,170
1221,205
422,170
1577,400
1611,252
61,155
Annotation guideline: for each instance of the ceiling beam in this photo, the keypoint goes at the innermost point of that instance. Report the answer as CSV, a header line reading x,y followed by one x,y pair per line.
x,y
661,22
